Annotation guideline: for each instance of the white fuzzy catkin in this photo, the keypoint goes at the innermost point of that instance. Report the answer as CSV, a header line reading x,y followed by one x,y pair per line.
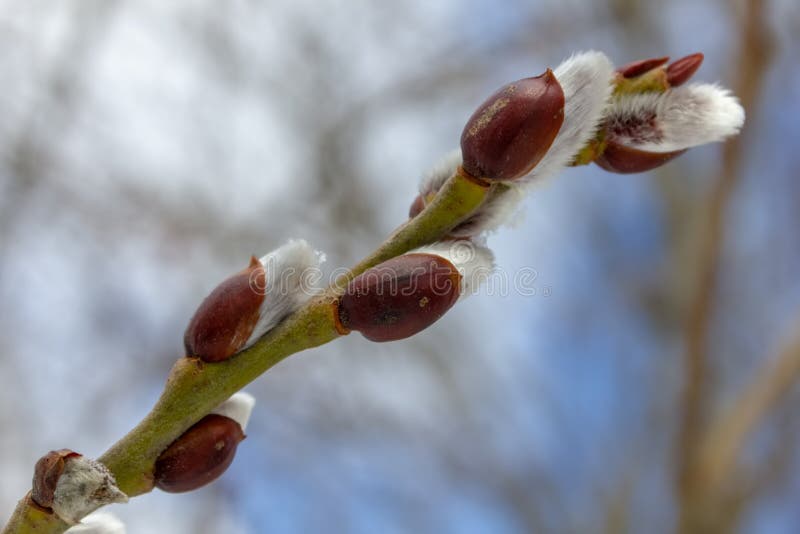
x,y
84,486
291,273
238,407
434,179
500,208
100,522
474,262
677,119
586,80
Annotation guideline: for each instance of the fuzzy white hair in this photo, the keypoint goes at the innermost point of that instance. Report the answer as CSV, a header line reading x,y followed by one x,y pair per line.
x,y
474,262
497,209
84,486
100,522
586,79
677,119
238,407
434,179
291,272
500,208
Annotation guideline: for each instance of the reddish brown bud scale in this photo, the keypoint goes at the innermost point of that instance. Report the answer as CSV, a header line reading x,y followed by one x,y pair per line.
x,y
416,207
199,456
626,160
421,202
226,318
637,68
400,297
679,71
513,129
46,474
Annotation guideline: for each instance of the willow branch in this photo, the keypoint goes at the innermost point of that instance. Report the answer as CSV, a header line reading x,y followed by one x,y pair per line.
x,y
726,437
751,64
194,388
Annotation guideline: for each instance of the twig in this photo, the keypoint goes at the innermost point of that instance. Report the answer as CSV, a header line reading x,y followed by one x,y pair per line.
x,y
726,437
751,64
194,388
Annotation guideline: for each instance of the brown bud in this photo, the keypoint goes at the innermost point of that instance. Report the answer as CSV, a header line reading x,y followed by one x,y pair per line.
x,y
626,160
637,68
513,129
420,203
46,474
199,456
226,318
73,486
400,297
679,71
416,207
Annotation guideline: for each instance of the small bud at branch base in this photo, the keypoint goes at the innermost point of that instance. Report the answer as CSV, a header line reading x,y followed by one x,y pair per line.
x,y
82,485
73,485
46,474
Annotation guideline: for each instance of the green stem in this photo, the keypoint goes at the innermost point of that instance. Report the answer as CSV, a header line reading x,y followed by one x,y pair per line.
x,y
30,518
458,198
194,388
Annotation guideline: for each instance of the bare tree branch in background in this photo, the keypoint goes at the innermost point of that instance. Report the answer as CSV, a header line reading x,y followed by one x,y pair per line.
x,y
529,490
726,436
752,62
29,157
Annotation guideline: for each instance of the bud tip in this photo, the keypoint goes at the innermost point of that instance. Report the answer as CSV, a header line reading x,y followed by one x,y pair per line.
x,y
679,71
637,68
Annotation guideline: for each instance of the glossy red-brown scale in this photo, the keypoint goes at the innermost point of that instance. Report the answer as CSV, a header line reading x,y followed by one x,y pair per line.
x,y
226,318
46,474
400,297
416,207
199,456
626,160
679,71
637,68
513,129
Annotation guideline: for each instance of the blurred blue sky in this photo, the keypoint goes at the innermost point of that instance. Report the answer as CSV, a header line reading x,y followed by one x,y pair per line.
x,y
149,148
